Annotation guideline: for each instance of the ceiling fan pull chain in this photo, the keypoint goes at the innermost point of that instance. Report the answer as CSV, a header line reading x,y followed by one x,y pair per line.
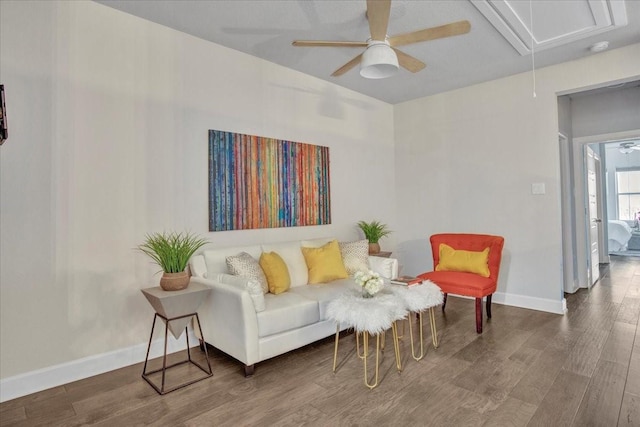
x,y
533,58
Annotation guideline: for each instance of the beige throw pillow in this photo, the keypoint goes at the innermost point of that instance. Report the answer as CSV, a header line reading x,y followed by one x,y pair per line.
x,y
355,255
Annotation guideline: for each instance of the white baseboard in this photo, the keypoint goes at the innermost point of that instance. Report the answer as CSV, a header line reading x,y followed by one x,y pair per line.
x,y
53,376
533,303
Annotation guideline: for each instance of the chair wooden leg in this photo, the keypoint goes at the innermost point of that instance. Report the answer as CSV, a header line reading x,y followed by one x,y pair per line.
x,y
489,306
444,302
479,315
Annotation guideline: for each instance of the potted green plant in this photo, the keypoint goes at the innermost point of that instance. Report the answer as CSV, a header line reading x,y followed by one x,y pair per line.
x,y
172,251
373,232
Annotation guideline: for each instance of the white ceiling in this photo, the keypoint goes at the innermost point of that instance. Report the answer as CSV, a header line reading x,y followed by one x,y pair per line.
x,y
499,43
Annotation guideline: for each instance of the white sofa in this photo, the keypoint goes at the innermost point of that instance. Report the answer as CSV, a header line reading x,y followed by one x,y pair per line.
x,y
251,327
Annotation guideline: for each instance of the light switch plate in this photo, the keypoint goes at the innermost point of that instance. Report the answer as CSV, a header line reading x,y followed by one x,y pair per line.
x,y
538,188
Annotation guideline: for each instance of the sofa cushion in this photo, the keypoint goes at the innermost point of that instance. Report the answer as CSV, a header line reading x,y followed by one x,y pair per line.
x,y
316,243
285,312
276,272
325,263
386,267
292,256
252,286
245,265
355,255
459,283
216,259
463,261
324,293
198,266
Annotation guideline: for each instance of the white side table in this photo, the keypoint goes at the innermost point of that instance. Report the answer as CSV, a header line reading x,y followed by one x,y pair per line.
x,y
176,309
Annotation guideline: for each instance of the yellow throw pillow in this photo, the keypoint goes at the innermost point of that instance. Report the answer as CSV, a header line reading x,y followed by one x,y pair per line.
x,y
464,261
325,263
276,271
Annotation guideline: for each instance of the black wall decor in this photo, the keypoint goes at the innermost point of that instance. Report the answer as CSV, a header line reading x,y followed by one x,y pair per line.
x,y
4,133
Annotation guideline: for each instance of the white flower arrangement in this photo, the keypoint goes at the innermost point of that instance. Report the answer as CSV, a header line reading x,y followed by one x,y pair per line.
x,y
370,282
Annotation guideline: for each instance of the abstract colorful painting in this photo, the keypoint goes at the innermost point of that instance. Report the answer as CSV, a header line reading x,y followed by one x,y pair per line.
x,y
258,182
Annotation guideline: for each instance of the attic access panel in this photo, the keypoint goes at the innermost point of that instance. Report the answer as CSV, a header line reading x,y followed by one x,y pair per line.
x,y
554,22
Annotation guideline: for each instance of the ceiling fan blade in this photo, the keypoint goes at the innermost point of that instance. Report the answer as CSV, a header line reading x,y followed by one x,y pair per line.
x,y
378,15
317,43
409,62
635,147
346,67
448,30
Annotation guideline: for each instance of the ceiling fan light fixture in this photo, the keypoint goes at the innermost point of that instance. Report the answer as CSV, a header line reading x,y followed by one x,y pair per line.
x,y
379,61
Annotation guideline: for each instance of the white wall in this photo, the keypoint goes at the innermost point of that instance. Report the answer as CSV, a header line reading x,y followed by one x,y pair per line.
x,y
604,113
108,117
465,162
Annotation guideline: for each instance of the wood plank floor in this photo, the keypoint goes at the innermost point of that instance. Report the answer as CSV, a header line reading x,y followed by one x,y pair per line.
x,y
527,368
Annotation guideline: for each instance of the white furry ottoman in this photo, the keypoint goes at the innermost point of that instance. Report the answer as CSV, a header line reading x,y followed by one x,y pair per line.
x,y
416,299
368,316
373,315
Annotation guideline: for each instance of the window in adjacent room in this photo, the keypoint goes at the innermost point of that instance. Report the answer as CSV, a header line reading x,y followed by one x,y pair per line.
x,y
628,187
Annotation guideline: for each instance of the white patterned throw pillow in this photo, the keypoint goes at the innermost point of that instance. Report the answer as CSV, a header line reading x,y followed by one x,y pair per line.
x,y
245,265
355,255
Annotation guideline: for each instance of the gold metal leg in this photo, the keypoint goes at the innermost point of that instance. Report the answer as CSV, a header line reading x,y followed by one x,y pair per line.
x,y
434,332
400,336
394,329
360,354
365,343
335,349
413,352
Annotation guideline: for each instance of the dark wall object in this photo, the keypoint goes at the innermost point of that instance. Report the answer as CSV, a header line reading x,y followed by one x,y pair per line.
x,y
4,133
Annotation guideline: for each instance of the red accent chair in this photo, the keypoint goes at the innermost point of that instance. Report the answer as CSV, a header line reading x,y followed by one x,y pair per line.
x,y
467,284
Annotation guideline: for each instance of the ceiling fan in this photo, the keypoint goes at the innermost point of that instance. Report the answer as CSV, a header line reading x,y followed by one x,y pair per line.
x,y
628,147
381,58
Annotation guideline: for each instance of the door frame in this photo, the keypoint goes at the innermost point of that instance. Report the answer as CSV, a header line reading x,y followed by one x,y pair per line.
x,y
578,226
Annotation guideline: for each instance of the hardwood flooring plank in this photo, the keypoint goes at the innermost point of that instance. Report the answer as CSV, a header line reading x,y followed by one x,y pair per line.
x,y
629,311
634,289
437,410
601,403
511,413
630,411
619,343
559,406
633,375
478,371
584,356
34,398
605,294
500,383
537,381
12,415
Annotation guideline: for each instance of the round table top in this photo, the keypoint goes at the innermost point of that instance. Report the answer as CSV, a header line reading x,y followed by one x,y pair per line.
x,y
373,315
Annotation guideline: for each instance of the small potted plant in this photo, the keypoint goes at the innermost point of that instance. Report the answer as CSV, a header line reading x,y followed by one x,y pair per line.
x,y
171,251
373,232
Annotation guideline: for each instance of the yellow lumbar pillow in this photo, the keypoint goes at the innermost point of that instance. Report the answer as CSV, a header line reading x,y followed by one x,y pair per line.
x,y
325,263
464,261
276,271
